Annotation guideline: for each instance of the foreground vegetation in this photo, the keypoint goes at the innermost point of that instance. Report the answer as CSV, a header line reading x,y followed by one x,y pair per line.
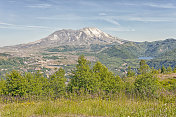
x,y
90,107
90,91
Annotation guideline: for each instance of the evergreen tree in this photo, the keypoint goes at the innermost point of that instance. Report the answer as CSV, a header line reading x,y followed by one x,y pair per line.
x,y
130,72
144,68
57,83
163,69
38,84
107,81
159,70
154,71
169,69
174,69
82,77
15,84
2,86
30,83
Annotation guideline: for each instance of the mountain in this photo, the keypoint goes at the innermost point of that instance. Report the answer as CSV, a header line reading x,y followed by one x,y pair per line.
x,y
169,54
131,50
62,48
127,50
158,48
85,36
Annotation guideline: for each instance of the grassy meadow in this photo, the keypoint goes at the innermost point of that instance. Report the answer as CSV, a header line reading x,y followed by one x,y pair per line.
x,y
121,107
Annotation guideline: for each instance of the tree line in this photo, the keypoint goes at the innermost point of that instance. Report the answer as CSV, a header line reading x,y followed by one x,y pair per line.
x,y
86,80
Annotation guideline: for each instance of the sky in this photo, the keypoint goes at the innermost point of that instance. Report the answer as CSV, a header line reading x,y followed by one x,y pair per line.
x,y
23,21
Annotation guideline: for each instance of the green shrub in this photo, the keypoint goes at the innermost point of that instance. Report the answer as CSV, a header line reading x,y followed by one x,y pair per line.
x,y
169,84
146,85
15,84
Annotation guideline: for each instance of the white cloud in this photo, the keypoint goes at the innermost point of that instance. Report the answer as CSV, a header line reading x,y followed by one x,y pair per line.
x,y
111,20
168,5
39,6
89,3
102,14
114,20
41,27
126,4
6,24
63,17
120,29
15,26
71,17
141,18
149,4
147,19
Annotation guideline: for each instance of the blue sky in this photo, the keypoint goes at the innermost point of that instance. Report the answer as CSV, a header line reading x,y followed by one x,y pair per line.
x,y
23,21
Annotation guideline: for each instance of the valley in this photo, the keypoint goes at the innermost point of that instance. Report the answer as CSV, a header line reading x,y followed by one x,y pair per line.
x,y
62,49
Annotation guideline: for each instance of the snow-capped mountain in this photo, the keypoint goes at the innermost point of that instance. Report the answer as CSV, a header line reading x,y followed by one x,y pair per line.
x,y
85,36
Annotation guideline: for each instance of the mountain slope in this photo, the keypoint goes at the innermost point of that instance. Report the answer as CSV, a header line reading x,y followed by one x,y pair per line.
x,y
85,36
157,48
128,50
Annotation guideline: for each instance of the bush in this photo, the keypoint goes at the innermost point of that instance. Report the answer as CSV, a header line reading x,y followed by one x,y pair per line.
x,y
146,85
2,86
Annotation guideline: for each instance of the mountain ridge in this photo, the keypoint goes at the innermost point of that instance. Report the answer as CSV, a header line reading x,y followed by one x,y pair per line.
x,y
93,36
85,36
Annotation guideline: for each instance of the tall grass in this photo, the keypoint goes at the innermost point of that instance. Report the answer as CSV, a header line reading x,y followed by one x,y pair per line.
x,y
120,107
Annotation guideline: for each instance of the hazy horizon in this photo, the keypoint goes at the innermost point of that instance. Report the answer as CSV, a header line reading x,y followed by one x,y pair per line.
x,y
30,20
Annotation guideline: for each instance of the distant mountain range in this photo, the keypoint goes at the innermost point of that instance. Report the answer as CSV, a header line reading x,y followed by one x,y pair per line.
x,y
93,36
64,46
148,49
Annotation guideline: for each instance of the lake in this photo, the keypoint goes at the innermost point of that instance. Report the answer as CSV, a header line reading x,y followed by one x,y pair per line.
x,y
145,58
